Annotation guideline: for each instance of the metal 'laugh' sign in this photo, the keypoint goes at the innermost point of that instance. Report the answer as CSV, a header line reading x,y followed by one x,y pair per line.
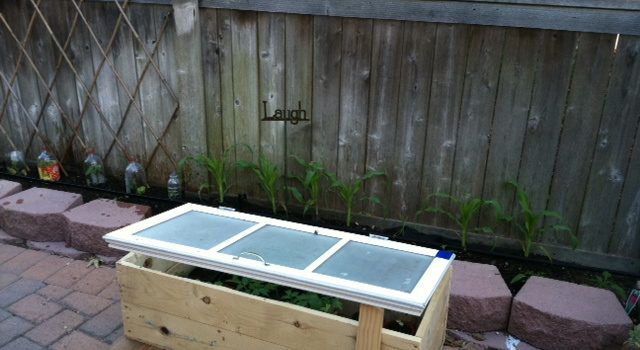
x,y
293,116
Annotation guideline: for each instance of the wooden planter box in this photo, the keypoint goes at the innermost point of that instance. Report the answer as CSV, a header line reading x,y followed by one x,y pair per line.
x,y
165,310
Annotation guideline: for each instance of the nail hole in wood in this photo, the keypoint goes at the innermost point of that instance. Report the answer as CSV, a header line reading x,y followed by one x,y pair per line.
x,y
164,330
206,300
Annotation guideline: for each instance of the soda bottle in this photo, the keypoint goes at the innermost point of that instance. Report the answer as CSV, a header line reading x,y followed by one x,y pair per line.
x,y
48,167
174,187
135,179
94,169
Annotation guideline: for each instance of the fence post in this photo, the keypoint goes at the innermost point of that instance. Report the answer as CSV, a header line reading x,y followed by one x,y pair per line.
x,y
190,89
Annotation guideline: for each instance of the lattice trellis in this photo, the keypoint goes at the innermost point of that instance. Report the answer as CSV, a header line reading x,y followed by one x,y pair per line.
x,y
86,92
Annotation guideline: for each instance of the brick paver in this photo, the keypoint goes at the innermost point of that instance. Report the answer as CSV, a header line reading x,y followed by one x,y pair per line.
x,y
46,267
13,327
8,252
96,281
35,308
6,278
55,327
69,275
52,292
23,261
18,290
112,292
79,341
86,303
4,315
22,344
104,323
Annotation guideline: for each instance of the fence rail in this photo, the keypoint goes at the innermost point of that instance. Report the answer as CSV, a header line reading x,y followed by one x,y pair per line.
x,y
454,108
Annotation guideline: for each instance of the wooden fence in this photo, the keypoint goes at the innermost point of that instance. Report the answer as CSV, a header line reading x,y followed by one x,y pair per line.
x,y
440,107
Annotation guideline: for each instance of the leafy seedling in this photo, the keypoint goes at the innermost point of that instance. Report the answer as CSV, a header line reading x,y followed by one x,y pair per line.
x,y
347,191
311,185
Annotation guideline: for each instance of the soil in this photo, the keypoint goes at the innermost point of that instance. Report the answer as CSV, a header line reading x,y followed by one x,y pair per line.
x,y
508,262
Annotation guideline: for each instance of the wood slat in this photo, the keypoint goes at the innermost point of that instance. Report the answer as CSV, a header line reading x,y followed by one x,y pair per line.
x,y
211,72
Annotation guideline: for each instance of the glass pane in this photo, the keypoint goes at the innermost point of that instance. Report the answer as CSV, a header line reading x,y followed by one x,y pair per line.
x,y
282,246
196,229
379,266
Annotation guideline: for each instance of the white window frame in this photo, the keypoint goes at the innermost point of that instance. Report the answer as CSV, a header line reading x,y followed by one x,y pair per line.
x,y
412,303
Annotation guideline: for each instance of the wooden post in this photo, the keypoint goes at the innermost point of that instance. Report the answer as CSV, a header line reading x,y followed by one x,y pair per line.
x,y
369,336
190,89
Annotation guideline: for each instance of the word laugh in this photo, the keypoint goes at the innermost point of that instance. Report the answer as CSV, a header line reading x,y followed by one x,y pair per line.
x,y
293,116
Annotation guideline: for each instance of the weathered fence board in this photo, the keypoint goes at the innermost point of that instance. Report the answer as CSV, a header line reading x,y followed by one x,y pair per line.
x,y
439,107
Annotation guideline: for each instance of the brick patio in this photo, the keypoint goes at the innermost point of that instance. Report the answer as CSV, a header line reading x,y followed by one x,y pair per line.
x,y
52,302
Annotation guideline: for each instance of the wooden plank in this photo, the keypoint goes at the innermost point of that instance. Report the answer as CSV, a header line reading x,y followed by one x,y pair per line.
x,y
413,105
383,106
369,334
433,328
211,73
271,46
124,343
299,77
327,60
510,119
354,103
245,93
189,85
576,18
477,110
551,83
444,112
290,325
579,129
613,150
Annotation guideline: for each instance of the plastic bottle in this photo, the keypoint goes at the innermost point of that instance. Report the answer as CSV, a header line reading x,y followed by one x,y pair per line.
x,y
94,169
135,179
48,167
16,164
174,187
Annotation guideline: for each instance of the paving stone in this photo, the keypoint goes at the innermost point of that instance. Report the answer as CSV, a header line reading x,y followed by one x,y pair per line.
x,y
112,292
35,308
104,323
12,327
23,261
9,239
96,281
115,335
59,248
86,303
52,292
69,275
79,341
22,344
7,252
36,214
4,314
54,328
46,267
480,299
554,314
6,278
89,222
18,290
8,188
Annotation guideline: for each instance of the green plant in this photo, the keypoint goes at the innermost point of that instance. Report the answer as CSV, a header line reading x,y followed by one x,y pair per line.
x,y
313,301
532,226
14,168
251,286
140,190
605,281
464,210
217,167
347,191
524,276
267,174
314,173
634,337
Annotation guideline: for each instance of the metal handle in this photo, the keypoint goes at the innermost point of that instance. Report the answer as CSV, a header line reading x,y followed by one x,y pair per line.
x,y
252,254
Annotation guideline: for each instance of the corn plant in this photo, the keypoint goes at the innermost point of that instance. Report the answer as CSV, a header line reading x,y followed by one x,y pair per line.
x,y
347,191
217,167
311,181
267,174
531,223
634,337
462,213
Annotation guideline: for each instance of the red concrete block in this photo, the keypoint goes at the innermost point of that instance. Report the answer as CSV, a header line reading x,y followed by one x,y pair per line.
x,y
480,299
552,314
8,188
8,252
23,261
52,329
35,308
46,267
96,281
36,214
87,223
79,341
86,303
69,275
